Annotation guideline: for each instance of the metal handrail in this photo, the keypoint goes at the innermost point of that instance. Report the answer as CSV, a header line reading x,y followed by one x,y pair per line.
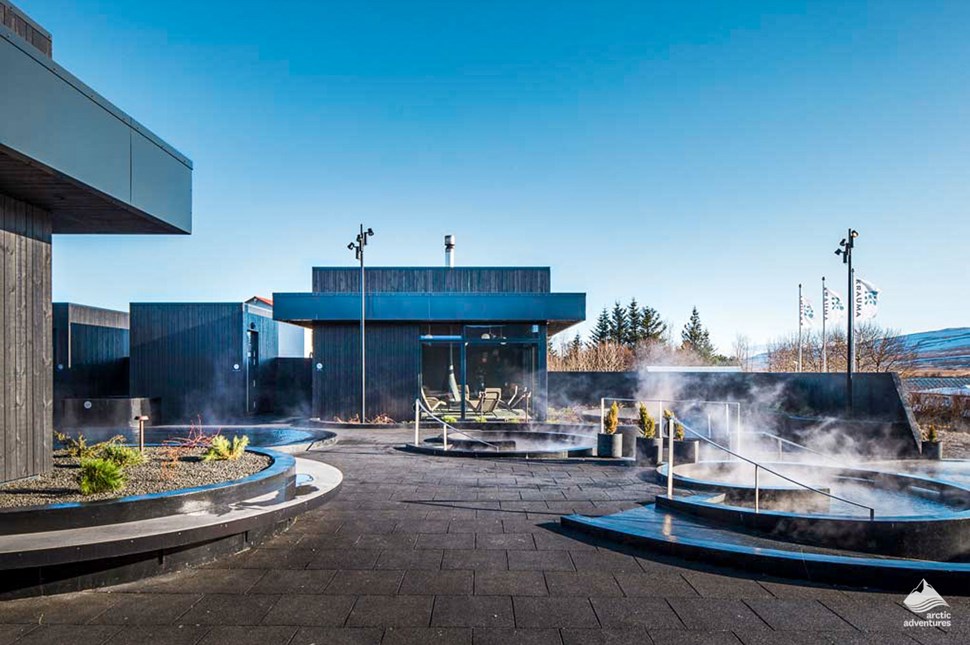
x,y
782,440
444,425
670,472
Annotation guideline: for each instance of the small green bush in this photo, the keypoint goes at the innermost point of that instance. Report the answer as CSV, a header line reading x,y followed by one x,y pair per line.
x,y
481,418
448,418
100,476
612,419
678,431
648,427
121,455
222,450
932,434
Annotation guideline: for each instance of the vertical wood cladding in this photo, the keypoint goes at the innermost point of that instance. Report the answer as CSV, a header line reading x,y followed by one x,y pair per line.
x,y
433,280
393,363
25,340
17,22
185,354
90,352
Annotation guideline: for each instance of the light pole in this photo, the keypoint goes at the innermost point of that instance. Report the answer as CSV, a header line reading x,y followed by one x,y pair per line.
x,y
845,250
358,249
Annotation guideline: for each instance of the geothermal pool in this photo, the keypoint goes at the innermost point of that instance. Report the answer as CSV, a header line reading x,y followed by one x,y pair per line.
x,y
265,436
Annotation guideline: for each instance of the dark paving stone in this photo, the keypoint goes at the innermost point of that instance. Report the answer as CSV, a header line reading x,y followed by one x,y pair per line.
x,y
337,636
229,609
10,633
626,613
198,581
391,611
876,616
475,526
716,614
540,561
446,541
146,609
422,526
263,558
804,591
76,608
421,635
510,583
409,559
477,560
355,583
605,561
649,585
510,541
583,584
252,635
553,613
605,637
392,541
783,614
289,581
473,611
549,541
679,637
499,636
438,583
345,559
310,609
159,635
715,586
817,637
69,634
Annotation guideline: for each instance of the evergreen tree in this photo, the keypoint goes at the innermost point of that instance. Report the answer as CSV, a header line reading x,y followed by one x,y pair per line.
x,y
602,332
575,347
695,338
634,321
618,324
652,328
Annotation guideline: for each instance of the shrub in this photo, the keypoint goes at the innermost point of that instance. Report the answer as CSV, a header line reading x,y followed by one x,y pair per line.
x,y
481,418
678,431
932,434
100,476
451,419
648,427
123,456
612,419
222,450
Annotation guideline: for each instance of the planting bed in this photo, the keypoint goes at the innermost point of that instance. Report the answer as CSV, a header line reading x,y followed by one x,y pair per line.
x,y
155,475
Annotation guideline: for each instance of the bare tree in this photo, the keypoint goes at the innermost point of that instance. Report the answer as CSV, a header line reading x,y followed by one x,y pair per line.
x,y
742,352
877,350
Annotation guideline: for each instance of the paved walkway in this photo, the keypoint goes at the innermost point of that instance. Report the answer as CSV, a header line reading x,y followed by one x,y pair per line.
x,y
423,549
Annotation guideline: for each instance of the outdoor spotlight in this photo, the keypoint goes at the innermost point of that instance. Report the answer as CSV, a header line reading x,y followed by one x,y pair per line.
x,y
854,233
350,247
370,231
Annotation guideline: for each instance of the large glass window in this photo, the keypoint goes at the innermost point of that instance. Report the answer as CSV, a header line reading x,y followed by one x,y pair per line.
x,y
487,372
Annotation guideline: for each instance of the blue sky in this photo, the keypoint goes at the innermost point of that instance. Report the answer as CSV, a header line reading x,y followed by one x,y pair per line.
x,y
707,154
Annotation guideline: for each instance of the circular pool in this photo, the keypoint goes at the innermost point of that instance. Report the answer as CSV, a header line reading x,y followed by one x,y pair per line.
x,y
264,436
532,441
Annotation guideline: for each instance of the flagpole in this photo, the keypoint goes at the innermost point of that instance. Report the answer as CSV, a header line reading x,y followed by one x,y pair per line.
x,y
825,313
800,316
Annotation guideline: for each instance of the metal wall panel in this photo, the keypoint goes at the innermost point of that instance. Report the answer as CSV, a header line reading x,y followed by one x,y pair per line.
x,y
25,340
433,279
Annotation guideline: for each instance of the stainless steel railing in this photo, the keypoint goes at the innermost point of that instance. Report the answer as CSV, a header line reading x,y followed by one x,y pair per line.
x,y
672,421
445,426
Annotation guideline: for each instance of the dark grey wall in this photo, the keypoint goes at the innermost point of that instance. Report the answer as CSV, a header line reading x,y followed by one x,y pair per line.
x,y
881,415
26,389
393,363
433,280
90,353
292,386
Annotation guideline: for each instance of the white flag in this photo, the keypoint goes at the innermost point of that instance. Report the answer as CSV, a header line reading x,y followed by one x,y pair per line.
x,y
866,299
833,307
805,312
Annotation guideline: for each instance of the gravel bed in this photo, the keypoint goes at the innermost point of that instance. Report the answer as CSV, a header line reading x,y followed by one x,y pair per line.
x,y
61,484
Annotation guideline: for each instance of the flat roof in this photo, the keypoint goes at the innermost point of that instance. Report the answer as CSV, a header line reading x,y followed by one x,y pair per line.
x,y
68,150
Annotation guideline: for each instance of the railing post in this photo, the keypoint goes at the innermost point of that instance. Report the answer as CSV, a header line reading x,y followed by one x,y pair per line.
x,y
670,457
660,434
727,425
602,415
444,435
417,421
739,427
757,492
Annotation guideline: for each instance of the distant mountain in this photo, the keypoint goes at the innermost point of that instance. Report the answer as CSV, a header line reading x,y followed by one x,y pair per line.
x,y
943,348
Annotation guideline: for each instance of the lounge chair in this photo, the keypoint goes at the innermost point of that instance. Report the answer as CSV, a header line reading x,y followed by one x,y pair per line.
x,y
430,402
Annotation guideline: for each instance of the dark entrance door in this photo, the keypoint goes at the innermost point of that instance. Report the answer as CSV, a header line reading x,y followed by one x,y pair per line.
x,y
252,371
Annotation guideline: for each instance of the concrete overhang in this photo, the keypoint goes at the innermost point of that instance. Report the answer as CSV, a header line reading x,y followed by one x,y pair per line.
x,y
558,310
66,149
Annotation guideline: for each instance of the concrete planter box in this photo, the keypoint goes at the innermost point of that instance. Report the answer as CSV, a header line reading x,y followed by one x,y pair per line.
x,y
609,445
630,435
646,451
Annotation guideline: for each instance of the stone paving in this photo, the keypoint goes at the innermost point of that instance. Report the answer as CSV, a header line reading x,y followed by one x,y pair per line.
x,y
419,549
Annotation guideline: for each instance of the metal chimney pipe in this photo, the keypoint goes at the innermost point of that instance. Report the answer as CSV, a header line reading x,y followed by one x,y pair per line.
x,y
450,251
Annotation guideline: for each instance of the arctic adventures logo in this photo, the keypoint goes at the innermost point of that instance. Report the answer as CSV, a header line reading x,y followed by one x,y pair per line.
x,y
922,601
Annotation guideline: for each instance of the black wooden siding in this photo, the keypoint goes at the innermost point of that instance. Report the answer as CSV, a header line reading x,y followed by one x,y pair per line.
x,y
26,390
184,353
433,280
90,352
393,363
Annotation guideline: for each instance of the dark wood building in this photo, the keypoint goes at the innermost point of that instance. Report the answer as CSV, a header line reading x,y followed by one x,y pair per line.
x,y
70,162
214,360
455,336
